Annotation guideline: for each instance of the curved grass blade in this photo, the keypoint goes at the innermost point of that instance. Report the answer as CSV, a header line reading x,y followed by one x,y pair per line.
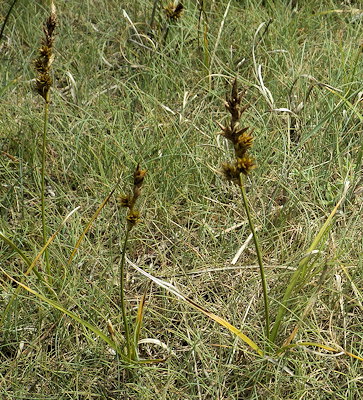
x,y
172,289
301,270
308,307
321,346
71,314
6,19
88,226
10,243
360,116
138,325
32,264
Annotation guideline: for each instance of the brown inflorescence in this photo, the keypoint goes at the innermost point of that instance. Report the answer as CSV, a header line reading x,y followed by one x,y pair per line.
x,y
129,200
133,217
45,58
241,139
173,11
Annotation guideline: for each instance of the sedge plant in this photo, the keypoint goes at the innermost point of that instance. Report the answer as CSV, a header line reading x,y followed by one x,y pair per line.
x,y
132,218
235,171
43,83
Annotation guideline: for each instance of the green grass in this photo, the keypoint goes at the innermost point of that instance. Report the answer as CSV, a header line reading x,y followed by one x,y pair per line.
x,y
116,104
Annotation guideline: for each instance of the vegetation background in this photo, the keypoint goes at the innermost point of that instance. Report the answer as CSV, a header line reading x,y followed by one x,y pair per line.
x,y
131,86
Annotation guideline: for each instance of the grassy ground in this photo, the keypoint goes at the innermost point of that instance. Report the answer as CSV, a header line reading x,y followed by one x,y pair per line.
x,y
121,98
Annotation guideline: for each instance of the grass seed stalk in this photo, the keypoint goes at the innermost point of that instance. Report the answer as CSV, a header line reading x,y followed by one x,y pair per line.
x,y
235,171
132,218
43,83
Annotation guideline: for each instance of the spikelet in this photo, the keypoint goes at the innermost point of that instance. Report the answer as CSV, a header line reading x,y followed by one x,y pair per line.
x,y
241,139
173,11
43,63
128,201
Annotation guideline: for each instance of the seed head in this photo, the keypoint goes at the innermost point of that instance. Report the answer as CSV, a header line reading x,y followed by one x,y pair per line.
x,y
241,139
129,200
133,217
111,329
173,11
125,201
45,58
231,133
242,144
245,164
232,171
139,176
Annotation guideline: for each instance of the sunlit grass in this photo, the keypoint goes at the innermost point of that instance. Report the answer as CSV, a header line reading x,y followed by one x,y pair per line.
x,y
116,103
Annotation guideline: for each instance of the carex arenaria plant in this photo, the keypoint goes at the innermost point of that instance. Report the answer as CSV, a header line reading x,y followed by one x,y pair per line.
x,y
132,218
236,170
43,83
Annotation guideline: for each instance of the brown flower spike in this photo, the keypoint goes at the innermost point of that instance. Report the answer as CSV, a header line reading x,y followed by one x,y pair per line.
x,y
129,200
240,138
173,11
45,58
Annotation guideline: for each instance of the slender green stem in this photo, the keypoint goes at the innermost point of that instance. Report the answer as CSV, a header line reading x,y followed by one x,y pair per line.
x,y
152,18
166,33
259,257
122,293
206,55
44,149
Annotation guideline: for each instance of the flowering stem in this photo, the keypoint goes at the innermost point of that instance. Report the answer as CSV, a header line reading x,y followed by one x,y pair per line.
x,y
44,149
122,293
259,257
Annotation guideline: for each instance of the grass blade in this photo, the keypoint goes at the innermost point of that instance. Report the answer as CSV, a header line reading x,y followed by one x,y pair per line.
x,y
88,226
301,270
321,346
172,289
308,307
6,19
139,318
71,314
31,265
